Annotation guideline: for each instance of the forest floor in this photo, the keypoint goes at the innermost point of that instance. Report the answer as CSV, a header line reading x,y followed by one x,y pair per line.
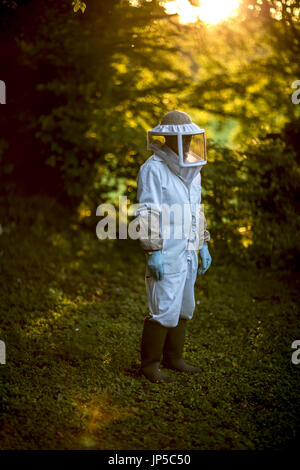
x,y
72,312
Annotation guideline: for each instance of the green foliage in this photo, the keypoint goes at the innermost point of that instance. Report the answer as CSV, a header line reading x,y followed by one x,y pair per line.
x,y
72,316
251,200
272,191
243,69
92,84
78,5
223,184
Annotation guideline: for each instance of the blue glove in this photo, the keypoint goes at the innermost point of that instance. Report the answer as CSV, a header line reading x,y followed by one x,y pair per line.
x,y
205,258
155,264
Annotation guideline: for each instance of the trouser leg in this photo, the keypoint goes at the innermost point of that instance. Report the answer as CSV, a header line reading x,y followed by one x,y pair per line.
x,y
165,297
188,295
170,301
174,343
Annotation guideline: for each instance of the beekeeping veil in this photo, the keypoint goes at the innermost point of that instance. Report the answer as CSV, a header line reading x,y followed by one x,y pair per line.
x,y
181,143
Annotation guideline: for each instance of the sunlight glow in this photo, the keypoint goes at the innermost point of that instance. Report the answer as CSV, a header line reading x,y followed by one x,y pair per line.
x,y
209,11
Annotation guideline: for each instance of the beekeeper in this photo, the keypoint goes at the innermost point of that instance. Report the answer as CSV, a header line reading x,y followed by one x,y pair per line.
x,y
172,232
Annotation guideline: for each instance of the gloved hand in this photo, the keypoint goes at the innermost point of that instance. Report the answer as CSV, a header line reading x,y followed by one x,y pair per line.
x,y
205,258
155,264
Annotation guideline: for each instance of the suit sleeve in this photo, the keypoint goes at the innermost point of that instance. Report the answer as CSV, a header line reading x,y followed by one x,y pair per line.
x,y
206,232
204,235
149,196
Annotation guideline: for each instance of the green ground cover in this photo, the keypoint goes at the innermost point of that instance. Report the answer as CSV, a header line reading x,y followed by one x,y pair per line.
x,y
72,311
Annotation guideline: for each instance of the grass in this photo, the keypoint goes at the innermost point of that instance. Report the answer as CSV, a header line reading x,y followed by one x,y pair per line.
x,y
72,311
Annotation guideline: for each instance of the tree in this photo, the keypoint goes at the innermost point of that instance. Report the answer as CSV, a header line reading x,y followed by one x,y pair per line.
x,y
244,68
91,84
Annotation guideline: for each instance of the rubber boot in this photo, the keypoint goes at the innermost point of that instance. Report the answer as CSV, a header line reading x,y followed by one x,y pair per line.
x,y
173,349
153,339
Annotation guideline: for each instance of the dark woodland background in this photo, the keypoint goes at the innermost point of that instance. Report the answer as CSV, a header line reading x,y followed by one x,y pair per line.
x,y
82,89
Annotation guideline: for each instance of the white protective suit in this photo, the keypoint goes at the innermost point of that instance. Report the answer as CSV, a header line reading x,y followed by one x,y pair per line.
x,y
162,182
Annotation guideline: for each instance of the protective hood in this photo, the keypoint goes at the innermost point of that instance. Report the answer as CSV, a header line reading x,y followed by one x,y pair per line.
x,y
186,143
171,159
